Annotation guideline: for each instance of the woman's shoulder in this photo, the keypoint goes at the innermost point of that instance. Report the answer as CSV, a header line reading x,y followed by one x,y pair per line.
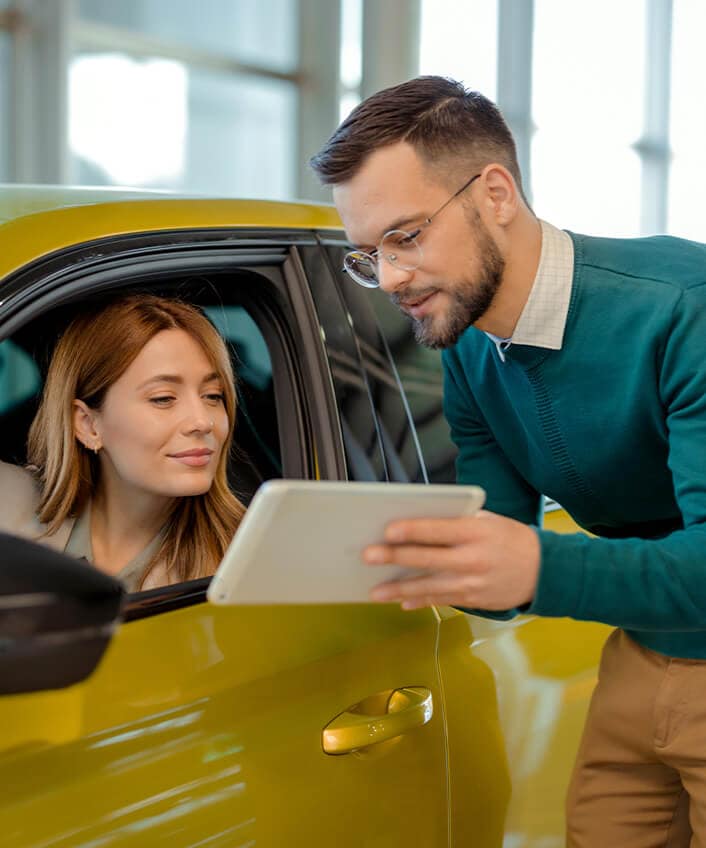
x,y
20,492
19,503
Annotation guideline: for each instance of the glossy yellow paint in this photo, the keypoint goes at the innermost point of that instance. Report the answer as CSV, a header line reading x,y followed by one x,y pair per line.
x,y
35,222
377,720
543,672
204,726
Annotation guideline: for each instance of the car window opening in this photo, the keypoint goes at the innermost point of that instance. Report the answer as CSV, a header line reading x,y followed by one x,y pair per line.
x,y
256,452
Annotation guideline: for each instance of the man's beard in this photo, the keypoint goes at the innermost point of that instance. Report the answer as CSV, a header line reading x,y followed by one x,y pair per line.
x,y
470,300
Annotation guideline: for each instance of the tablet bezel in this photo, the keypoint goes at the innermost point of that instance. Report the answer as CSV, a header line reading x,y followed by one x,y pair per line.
x,y
260,568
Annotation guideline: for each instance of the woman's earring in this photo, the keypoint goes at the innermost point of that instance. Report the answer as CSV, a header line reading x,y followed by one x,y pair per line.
x,y
96,448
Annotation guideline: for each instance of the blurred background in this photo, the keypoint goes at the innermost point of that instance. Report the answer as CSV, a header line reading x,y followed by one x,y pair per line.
x,y
607,98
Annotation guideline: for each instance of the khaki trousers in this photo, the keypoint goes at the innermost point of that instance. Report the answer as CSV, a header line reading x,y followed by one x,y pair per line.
x,y
640,774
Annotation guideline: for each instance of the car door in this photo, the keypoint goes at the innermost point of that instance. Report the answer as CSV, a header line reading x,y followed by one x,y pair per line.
x,y
413,446
206,726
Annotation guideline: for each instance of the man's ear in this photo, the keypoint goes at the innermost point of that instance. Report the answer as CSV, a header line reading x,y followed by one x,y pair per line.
x,y
85,428
502,195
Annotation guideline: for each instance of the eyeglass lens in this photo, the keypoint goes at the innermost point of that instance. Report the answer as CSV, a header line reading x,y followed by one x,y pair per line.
x,y
362,267
400,249
397,247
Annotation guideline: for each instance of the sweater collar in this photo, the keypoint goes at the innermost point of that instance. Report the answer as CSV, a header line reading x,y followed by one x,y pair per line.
x,y
543,319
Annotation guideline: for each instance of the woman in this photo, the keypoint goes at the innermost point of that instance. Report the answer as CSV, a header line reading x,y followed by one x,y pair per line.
x,y
129,448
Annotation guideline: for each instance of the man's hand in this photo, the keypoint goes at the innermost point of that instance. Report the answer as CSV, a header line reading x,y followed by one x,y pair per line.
x,y
485,561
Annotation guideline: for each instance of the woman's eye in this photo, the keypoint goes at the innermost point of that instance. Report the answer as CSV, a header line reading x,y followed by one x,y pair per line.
x,y
161,400
215,397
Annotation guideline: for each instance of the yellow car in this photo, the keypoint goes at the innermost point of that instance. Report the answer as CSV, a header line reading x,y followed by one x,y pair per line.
x,y
206,726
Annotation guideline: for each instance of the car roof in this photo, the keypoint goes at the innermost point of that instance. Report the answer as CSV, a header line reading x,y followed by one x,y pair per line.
x,y
38,220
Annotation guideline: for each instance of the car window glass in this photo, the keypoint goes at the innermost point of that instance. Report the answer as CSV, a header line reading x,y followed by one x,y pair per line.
x,y
360,432
20,383
256,428
421,375
399,438
238,328
19,376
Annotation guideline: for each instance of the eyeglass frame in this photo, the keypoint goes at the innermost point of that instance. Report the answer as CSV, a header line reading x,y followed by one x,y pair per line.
x,y
373,255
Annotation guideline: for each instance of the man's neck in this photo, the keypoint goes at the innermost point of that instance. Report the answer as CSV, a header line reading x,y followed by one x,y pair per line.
x,y
523,248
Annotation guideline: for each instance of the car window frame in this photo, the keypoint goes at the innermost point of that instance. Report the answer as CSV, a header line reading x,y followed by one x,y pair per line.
x,y
301,378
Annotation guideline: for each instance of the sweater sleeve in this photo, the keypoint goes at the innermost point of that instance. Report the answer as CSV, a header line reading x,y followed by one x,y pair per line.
x,y
482,462
648,584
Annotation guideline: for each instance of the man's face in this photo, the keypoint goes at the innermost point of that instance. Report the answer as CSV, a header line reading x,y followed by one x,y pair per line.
x,y
461,267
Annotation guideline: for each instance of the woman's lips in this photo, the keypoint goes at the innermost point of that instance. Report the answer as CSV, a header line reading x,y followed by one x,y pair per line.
x,y
195,458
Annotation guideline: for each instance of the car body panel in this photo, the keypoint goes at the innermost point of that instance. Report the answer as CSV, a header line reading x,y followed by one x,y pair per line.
x,y
202,726
45,221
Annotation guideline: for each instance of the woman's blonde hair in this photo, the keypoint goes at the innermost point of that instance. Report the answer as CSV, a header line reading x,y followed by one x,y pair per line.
x,y
93,352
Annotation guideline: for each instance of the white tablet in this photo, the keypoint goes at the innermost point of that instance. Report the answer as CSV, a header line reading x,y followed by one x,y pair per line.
x,y
301,541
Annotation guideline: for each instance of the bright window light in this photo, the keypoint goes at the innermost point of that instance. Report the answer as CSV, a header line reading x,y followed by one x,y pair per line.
x,y
688,122
459,39
588,90
128,118
351,63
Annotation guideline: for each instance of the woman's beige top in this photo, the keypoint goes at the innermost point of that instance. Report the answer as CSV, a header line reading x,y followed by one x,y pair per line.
x,y
19,499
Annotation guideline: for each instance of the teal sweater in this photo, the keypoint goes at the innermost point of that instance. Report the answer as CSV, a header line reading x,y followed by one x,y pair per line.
x,y
613,427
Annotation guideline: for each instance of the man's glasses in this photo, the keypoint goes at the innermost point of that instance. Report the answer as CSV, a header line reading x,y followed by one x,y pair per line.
x,y
397,247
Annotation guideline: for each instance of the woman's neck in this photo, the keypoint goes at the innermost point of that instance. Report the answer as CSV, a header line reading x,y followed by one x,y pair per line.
x,y
123,523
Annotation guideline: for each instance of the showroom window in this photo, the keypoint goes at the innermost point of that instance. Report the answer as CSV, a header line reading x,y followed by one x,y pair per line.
x,y
688,121
605,99
195,97
5,59
459,39
351,66
585,170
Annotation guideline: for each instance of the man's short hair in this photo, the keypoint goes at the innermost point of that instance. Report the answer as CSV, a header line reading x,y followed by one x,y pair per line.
x,y
443,121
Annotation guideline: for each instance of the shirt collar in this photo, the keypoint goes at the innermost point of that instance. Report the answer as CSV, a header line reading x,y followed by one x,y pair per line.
x,y
543,319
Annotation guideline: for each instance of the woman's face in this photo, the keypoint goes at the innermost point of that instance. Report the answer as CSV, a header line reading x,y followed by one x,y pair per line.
x,y
163,424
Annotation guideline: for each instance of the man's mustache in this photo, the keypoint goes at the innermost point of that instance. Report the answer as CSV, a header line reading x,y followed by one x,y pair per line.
x,y
411,296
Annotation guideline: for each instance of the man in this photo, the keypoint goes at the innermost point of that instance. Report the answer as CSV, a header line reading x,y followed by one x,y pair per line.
x,y
574,367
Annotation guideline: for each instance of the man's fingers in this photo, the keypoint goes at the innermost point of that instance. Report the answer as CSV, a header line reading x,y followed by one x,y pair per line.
x,y
432,531
427,589
421,556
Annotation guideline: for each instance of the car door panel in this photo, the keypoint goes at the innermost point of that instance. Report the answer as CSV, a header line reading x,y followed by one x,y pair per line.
x,y
204,726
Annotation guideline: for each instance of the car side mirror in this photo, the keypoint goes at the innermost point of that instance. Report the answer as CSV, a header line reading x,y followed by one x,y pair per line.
x,y
57,616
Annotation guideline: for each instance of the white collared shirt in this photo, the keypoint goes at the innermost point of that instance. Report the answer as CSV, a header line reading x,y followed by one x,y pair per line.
x,y
543,319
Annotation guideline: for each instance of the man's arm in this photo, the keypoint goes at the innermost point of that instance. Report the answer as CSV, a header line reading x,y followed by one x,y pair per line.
x,y
658,584
646,584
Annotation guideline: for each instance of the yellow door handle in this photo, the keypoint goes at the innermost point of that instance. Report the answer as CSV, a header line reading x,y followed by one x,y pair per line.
x,y
377,719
